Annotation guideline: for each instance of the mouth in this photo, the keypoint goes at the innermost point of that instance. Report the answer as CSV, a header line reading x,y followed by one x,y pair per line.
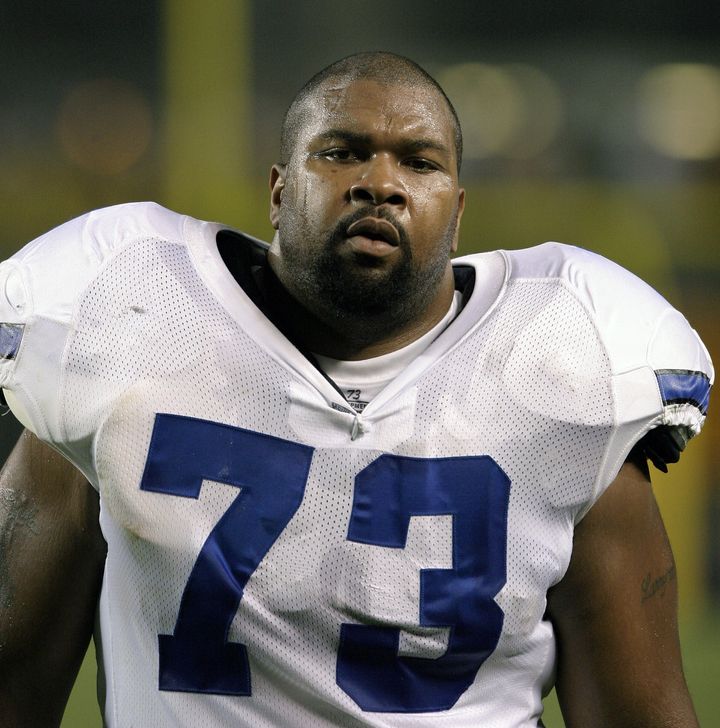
x,y
373,236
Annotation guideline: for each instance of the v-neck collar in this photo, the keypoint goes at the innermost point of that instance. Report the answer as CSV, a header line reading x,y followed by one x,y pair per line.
x,y
486,274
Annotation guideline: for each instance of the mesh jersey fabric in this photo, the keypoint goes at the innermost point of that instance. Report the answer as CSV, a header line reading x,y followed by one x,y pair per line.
x,y
538,389
362,380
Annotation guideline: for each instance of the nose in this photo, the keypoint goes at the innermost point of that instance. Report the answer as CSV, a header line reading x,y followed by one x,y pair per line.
x,y
379,183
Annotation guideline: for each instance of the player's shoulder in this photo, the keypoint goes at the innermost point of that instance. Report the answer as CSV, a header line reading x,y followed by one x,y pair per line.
x,y
135,218
660,371
44,284
594,278
554,260
575,266
96,234
639,329
46,274
636,324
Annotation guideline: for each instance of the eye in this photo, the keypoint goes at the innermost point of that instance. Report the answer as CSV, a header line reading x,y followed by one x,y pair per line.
x,y
420,164
338,154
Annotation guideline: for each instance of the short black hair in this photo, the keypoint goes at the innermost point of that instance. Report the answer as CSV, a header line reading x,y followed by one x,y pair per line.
x,y
381,66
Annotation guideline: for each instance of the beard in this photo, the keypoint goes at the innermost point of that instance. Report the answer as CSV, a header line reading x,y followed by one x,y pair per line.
x,y
362,291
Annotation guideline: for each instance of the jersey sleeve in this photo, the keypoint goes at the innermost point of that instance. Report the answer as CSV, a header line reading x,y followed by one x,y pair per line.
x,y
661,373
661,380
40,287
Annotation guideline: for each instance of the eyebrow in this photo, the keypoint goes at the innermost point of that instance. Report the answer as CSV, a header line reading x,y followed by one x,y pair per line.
x,y
352,137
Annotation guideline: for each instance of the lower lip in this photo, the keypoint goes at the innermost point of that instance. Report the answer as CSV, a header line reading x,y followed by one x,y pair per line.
x,y
369,246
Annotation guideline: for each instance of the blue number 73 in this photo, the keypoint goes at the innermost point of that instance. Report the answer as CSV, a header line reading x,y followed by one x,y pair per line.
x,y
271,474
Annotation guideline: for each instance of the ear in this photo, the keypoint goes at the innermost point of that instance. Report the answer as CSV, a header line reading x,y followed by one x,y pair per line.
x,y
461,209
277,184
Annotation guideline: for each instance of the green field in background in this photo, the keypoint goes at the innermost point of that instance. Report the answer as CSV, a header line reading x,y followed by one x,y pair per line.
x,y
701,650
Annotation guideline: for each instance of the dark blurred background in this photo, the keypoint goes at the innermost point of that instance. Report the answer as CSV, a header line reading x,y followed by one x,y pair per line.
x,y
595,124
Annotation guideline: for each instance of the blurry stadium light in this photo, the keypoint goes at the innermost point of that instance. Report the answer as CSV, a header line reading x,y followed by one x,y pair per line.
x,y
512,110
104,126
542,112
679,110
489,105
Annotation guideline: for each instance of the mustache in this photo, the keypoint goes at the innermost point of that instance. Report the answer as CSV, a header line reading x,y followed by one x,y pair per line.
x,y
341,228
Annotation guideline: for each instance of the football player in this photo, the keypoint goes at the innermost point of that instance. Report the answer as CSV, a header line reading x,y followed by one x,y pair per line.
x,y
340,480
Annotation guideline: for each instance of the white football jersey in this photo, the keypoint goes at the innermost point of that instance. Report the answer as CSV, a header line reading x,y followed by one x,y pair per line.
x,y
277,559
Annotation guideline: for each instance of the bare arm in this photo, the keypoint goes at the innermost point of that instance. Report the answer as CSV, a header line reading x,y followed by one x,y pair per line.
x,y
615,614
51,561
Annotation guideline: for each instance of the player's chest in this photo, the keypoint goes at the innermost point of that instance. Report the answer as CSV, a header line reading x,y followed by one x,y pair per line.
x,y
246,533
399,550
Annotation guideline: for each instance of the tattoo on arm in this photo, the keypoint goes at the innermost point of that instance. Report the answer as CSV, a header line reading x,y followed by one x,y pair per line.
x,y
17,511
651,587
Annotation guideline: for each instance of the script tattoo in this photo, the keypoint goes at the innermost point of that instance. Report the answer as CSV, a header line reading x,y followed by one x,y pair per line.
x,y
16,512
650,587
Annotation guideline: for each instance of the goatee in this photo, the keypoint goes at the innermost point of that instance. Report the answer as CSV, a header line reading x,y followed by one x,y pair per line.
x,y
362,291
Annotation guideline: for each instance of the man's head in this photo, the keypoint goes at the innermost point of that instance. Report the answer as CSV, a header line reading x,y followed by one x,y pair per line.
x,y
385,68
366,202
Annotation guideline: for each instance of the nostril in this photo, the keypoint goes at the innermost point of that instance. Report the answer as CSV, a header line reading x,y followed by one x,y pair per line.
x,y
395,200
362,194
376,196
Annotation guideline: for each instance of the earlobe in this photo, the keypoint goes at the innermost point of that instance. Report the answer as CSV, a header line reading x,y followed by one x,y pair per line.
x,y
277,185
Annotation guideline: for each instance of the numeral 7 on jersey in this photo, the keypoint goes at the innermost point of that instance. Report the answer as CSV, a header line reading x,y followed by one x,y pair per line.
x,y
271,474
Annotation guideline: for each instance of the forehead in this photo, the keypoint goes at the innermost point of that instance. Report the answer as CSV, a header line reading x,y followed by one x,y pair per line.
x,y
366,106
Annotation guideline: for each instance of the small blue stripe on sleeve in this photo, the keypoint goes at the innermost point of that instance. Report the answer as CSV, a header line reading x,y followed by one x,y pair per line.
x,y
10,338
680,386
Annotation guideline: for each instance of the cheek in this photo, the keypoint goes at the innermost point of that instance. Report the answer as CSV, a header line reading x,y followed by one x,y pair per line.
x,y
331,188
432,190
317,196
434,221
435,211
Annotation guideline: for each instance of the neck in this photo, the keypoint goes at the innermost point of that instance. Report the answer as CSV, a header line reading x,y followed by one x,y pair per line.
x,y
341,335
